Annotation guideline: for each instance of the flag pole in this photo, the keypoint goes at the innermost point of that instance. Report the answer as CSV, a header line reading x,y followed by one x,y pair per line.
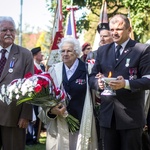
x,y
20,25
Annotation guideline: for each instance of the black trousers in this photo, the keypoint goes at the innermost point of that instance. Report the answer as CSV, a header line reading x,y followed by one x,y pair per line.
x,y
122,139
127,139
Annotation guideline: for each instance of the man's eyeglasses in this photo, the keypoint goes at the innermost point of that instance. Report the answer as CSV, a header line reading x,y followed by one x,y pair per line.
x,y
6,30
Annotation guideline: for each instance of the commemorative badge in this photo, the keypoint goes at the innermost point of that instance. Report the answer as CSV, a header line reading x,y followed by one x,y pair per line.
x,y
127,62
10,70
133,73
11,66
80,81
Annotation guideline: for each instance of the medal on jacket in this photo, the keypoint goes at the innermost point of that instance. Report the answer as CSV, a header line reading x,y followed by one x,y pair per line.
x,y
11,66
80,81
133,73
127,62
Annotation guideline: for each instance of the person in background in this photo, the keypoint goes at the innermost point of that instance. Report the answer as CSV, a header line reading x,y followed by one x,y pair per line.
x,y
122,115
71,76
15,62
38,58
105,34
33,127
86,48
105,38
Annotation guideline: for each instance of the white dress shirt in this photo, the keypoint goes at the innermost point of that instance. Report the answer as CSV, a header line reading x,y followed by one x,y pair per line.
x,y
70,71
7,52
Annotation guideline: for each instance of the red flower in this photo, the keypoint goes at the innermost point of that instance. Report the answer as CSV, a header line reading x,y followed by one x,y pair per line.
x,y
43,82
38,88
28,75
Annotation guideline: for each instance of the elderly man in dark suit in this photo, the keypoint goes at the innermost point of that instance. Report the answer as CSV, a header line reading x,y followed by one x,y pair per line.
x,y
17,61
122,115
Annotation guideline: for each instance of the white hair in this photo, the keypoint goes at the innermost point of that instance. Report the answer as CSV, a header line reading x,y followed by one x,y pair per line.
x,y
74,41
7,18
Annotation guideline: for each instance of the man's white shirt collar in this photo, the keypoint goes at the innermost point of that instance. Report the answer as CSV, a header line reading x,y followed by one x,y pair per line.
x,y
123,46
8,50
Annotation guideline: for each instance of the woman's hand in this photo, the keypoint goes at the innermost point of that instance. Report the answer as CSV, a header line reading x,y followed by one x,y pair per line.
x,y
58,110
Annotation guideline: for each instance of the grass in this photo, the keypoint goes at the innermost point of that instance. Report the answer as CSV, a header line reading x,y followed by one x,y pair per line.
x,y
40,146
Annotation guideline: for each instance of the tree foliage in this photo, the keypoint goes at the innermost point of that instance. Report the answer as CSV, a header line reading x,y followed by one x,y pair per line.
x,y
138,11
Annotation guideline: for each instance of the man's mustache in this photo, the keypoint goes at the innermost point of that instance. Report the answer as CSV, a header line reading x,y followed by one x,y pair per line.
x,y
8,37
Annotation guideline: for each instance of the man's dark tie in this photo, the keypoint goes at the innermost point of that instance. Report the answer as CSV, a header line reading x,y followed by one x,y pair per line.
x,y
118,47
3,60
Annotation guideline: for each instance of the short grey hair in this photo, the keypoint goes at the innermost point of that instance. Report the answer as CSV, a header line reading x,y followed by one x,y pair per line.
x,y
7,18
74,41
116,19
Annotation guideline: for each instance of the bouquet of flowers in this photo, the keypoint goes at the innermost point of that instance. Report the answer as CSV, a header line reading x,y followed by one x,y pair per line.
x,y
40,90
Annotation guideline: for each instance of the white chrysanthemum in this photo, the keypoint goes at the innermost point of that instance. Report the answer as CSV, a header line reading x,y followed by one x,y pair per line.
x,y
24,90
7,91
19,85
16,91
3,89
28,83
1,98
17,96
10,96
12,87
31,89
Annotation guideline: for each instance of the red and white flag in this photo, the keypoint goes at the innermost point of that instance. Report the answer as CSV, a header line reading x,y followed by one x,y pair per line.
x,y
57,35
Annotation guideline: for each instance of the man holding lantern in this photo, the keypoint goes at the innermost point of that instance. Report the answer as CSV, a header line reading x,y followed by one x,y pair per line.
x,y
122,115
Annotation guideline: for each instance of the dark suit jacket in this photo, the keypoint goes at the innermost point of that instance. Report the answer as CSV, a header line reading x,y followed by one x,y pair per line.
x,y
127,105
76,88
10,114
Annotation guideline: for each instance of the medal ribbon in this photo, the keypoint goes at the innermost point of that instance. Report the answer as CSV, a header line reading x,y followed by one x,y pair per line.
x,y
11,65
